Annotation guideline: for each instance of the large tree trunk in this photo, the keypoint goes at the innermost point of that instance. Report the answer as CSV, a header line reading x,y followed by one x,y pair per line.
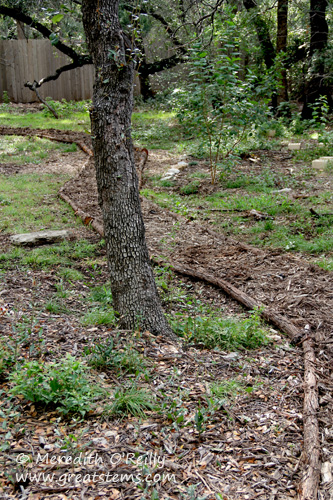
x,y
316,86
134,292
281,46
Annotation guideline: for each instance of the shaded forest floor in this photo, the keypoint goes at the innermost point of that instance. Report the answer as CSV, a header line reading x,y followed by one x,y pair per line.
x,y
249,445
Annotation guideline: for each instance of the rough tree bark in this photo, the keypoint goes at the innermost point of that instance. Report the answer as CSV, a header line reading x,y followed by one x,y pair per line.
x,y
134,292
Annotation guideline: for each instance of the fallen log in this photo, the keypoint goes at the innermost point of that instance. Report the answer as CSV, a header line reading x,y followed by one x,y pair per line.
x,y
308,488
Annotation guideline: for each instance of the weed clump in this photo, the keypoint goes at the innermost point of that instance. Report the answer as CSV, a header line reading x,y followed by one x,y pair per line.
x,y
64,384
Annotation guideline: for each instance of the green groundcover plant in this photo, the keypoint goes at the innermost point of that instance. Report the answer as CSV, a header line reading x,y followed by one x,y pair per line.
x,y
64,384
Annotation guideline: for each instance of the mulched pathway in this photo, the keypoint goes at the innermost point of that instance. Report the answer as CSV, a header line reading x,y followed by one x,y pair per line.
x,y
253,449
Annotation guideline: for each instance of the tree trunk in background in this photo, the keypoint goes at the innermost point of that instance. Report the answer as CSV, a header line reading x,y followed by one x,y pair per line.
x,y
264,39
20,30
316,86
281,46
145,87
262,30
134,292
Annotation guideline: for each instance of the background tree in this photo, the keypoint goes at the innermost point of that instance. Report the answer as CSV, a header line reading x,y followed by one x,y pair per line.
x,y
281,47
317,84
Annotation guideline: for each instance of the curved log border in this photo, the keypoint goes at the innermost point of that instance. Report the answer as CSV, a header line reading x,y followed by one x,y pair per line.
x,y
308,487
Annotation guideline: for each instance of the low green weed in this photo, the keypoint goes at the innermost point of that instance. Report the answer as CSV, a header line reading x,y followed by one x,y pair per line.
x,y
56,306
325,263
70,274
225,333
191,188
8,358
101,294
65,384
227,389
105,355
99,316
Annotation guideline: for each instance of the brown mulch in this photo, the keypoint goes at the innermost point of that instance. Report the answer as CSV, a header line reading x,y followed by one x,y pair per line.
x,y
253,449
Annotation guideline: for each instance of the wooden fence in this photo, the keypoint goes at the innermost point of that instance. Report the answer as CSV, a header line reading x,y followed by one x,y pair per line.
x,y
28,60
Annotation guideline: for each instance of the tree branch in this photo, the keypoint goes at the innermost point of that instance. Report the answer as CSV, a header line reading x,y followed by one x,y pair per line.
x,y
26,19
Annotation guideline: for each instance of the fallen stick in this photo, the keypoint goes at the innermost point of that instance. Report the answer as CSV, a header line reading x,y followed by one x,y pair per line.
x,y
310,480
89,221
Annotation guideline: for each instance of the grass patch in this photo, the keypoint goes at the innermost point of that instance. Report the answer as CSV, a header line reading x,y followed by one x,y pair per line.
x,y
131,401
158,129
19,150
70,274
325,263
56,306
58,255
101,294
39,208
99,317
75,117
191,188
227,389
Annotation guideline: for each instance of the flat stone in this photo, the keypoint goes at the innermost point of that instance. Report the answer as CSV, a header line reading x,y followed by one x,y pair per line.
x,y
294,145
39,238
326,158
231,356
284,190
173,171
321,163
167,177
182,164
